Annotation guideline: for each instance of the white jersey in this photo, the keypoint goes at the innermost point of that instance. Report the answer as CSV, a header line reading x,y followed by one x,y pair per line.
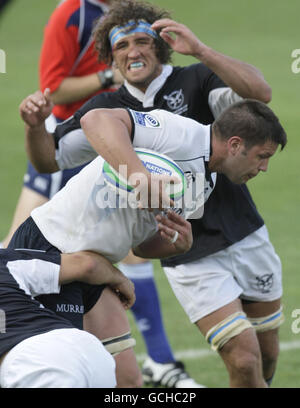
x,y
85,216
185,141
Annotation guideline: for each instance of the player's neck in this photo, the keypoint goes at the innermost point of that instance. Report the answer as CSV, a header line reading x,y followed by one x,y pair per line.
x,y
219,154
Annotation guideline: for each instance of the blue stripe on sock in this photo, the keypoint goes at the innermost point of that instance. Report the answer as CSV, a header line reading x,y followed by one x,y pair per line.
x,y
268,320
223,327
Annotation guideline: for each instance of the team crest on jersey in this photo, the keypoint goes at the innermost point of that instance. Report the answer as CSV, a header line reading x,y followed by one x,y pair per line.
x,y
265,282
175,101
145,119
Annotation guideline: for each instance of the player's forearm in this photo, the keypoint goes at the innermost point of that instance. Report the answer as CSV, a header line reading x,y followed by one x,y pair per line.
x,y
73,89
157,250
40,149
101,271
110,137
174,237
89,267
246,80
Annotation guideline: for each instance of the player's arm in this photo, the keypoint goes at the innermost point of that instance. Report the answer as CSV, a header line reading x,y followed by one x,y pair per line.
x,y
73,148
39,144
59,52
174,237
59,55
109,131
244,79
73,89
95,269
44,275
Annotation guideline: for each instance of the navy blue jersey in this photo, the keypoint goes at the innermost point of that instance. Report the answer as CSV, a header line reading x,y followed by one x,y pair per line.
x,y
21,315
230,213
75,298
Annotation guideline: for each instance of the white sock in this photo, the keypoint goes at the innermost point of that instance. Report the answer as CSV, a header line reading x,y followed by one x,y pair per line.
x,y
142,270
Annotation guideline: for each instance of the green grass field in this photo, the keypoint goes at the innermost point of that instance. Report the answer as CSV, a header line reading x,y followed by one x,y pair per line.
x,y
263,33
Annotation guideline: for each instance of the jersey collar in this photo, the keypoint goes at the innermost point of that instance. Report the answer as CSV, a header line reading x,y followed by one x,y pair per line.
x,y
147,98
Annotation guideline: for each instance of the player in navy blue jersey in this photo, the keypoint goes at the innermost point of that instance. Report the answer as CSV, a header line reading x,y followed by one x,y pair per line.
x,y
231,242
39,347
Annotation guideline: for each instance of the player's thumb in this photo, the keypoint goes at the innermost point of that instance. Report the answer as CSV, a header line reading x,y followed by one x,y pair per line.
x,y
47,94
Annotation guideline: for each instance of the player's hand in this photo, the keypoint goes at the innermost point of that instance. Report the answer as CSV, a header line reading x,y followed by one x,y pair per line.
x,y
176,231
35,109
125,291
183,39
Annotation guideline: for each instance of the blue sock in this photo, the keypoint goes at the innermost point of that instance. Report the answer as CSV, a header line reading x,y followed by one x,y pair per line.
x,y
146,311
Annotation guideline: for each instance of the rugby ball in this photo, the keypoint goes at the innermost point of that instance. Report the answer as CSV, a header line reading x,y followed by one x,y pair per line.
x,y
155,163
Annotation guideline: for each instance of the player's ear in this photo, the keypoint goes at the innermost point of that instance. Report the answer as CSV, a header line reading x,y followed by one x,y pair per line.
x,y
234,144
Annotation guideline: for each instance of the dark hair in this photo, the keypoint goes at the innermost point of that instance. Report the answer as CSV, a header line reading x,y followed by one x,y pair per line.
x,y
253,121
120,12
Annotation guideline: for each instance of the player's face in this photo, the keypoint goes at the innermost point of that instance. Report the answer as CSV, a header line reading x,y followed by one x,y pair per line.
x,y
247,163
135,57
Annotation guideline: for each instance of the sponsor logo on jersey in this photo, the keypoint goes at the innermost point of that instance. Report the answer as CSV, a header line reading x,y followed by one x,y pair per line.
x,y
146,120
152,121
66,308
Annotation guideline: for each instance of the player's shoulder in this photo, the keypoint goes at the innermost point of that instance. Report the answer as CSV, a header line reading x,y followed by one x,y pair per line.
x,y
165,122
170,118
68,7
9,255
77,12
189,81
63,13
102,100
198,69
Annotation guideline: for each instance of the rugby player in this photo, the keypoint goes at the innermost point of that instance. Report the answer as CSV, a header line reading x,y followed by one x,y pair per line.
x,y
231,221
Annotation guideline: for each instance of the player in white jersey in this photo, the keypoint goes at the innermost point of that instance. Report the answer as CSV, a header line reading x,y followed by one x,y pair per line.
x,y
197,149
83,198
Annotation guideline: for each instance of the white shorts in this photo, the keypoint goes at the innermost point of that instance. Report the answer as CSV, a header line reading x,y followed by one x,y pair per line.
x,y
249,269
62,358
